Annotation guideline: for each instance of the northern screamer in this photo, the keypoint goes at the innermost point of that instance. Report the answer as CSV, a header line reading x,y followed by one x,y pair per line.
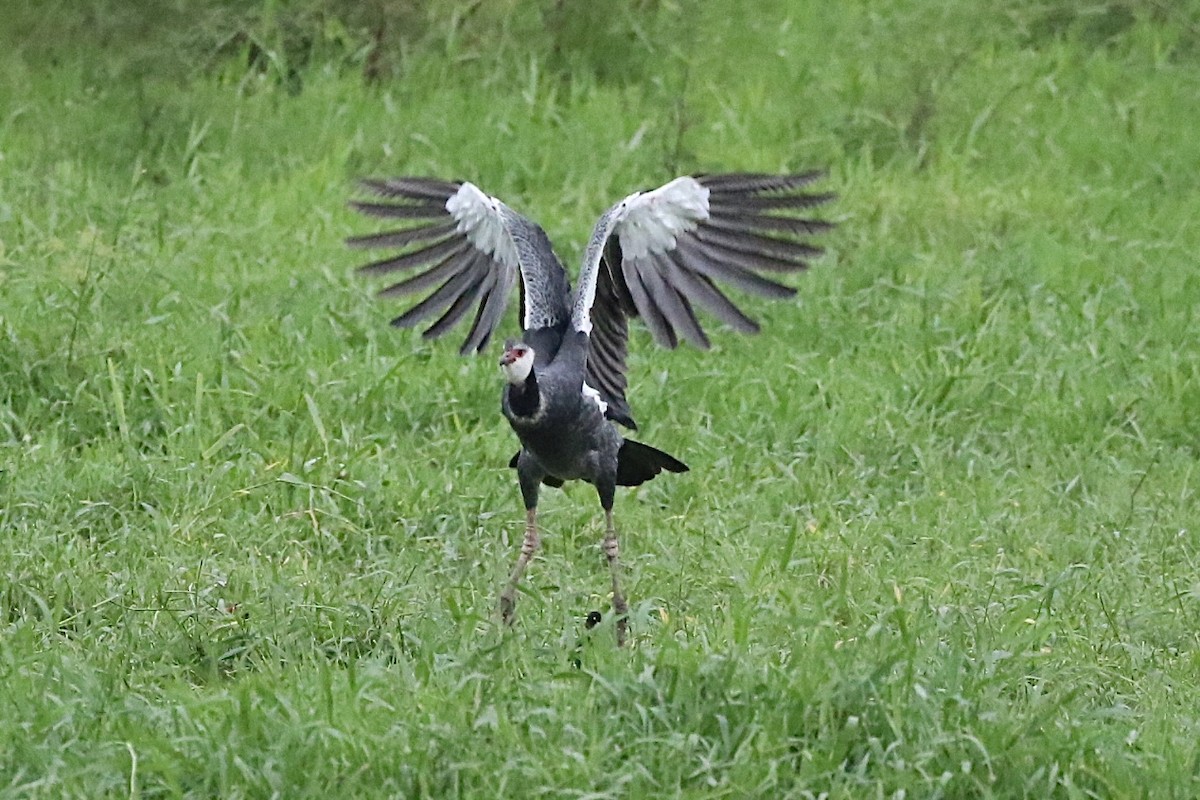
x,y
657,255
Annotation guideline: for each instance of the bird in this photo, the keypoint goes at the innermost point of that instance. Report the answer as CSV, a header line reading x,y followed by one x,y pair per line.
x,y
658,255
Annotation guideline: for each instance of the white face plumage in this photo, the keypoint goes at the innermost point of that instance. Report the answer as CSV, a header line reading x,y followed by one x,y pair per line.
x,y
517,363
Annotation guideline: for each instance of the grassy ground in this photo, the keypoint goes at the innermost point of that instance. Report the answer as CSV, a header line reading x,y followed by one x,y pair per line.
x,y
940,534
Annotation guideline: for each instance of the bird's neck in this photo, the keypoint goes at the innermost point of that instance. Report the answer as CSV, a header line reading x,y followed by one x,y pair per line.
x,y
523,398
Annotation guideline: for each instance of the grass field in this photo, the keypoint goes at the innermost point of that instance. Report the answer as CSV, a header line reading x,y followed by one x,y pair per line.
x,y
941,534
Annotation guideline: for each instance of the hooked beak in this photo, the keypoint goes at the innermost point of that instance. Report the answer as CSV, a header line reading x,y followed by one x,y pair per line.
x,y
508,358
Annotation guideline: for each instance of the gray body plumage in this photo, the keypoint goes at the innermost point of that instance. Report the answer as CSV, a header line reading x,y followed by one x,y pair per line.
x,y
566,437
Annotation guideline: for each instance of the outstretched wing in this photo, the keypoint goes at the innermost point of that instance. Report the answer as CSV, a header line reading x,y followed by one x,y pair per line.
x,y
472,248
661,254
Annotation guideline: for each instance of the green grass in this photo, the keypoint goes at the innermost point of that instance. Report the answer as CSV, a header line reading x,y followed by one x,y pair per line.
x,y
940,536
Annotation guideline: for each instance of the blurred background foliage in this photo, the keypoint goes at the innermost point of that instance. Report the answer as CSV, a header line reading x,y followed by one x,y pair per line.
x,y
626,41
678,57
283,38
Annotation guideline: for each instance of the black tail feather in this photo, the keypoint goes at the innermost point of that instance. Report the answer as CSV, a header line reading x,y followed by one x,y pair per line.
x,y
638,463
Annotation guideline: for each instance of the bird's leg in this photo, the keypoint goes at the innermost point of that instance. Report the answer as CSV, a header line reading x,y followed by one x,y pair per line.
x,y
529,475
612,552
508,598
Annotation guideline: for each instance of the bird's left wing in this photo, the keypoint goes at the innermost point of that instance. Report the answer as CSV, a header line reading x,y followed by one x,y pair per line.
x,y
472,248
659,254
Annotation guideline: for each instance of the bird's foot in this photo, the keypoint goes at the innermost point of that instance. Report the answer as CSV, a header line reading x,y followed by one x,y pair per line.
x,y
508,607
621,614
622,629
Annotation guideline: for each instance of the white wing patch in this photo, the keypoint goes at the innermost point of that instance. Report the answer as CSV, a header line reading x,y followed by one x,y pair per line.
x,y
481,220
594,396
644,223
651,221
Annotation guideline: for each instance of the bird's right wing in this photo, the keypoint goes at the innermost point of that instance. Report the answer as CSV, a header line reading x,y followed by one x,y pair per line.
x,y
470,246
659,254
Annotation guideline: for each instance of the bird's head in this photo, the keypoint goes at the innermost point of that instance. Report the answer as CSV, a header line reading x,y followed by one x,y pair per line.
x,y
517,361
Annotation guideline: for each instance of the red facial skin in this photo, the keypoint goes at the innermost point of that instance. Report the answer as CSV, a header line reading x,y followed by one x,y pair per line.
x,y
512,355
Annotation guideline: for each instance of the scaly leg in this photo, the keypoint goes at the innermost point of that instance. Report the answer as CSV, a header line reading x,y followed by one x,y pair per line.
x,y
508,598
612,552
